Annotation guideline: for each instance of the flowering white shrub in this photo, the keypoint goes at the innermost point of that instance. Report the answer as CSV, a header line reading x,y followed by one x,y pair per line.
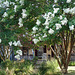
x,y
51,21
54,21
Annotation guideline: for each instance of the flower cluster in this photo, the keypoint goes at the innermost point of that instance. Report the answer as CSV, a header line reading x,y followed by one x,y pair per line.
x,y
19,53
5,14
24,15
18,43
69,10
20,22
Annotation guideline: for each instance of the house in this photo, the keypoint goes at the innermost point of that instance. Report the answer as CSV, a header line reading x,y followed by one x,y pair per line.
x,y
42,53
6,52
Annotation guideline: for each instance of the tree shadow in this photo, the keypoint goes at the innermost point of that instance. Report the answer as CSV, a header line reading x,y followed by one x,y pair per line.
x,y
71,72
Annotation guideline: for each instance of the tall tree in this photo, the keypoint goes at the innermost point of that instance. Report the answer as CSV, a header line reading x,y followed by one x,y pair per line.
x,y
16,16
57,27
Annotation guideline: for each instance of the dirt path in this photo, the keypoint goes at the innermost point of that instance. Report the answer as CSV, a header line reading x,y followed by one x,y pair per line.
x,y
71,67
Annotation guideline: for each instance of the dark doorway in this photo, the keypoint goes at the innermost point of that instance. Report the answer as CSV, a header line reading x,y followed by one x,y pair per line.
x,y
44,50
35,52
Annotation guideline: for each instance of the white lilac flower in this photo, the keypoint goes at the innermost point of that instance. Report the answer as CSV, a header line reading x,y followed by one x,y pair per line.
x,y
46,27
20,19
15,43
10,43
6,3
24,10
51,31
45,35
40,38
46,23
67,10
53,15
7,8
74,3
12,3
38,22
72,10
21,2
24,15
49,13
35,41
56,10
16,0
58,26
34,29
68,1
17,57
11,17
60,17
55,1
0,40
20,22
71,27
45,16
53,5
63,22
19,52
19,43
15,7
5,14
20,25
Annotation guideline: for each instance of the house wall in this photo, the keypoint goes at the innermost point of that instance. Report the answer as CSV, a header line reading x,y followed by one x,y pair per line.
x,y
41,48
30,52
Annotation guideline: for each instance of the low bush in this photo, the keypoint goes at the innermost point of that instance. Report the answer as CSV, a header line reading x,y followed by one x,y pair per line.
x,y
2,72
23,67
6,64
72,63
35,59
17,67
47,68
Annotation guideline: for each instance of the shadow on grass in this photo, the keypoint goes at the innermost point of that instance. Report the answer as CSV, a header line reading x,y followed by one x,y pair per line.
x,y
71,72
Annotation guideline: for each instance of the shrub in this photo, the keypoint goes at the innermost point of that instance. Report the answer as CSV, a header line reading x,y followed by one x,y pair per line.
x,y
72,63
6,64
17,67
35,59
49,67
25,67
2,72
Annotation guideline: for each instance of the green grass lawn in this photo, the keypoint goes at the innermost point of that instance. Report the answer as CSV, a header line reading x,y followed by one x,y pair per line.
x,y
70,72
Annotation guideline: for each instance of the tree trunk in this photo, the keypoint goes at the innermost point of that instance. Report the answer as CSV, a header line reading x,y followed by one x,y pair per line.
x,y
64,70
